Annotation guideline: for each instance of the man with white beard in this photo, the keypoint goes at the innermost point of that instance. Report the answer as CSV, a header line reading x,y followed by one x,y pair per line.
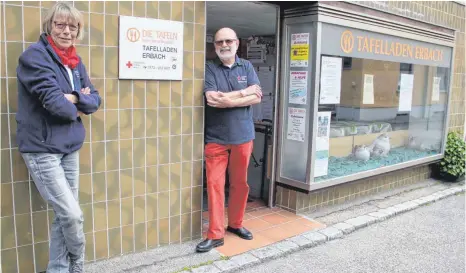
x,y
231,87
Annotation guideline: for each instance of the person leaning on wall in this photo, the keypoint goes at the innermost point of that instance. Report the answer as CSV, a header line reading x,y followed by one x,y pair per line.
x,y
54,91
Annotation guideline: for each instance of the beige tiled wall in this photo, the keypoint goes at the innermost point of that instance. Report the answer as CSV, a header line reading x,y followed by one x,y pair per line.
x,y
141,164
445,13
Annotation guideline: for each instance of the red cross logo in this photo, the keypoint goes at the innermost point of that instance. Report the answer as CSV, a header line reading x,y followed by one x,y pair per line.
x,y
129,64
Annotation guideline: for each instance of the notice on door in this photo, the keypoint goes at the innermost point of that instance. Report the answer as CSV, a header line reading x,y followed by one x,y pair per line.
x,y
322,144
298,87
368,90
150,49
330,80
406,92
299,56
436,89
296,124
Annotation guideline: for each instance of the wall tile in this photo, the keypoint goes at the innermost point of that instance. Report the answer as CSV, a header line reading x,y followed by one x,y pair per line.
x,y
101,245
152,234
140,234
199,44
185,227
139,88
31,31
89,255
175,232
8,233
177,11
188,7
85,189
126,211
114,236
41,256
188,39
164,10
99,187
165,92
138,123
6,166
164,231
164,150
125,8
200,17
152,90
128,239
139,8
111,30
175,121
9,261
23,229
175,149
164,178
98,156
13,51
152,9
13,20
151,179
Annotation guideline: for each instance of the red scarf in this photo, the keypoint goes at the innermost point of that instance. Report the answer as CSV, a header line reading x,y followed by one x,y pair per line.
x,y
68,57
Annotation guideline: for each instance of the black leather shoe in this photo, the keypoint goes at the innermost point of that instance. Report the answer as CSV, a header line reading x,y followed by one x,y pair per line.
x,y
208,244
241,232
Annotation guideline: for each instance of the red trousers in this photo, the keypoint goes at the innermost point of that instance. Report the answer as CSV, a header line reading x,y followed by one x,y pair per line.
x,y
217,158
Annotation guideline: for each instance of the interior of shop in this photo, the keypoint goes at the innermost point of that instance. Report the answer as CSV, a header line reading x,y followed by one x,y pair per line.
x,y
255,24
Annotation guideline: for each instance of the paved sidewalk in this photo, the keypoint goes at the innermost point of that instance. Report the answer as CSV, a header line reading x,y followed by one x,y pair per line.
x,y
338,221
429,239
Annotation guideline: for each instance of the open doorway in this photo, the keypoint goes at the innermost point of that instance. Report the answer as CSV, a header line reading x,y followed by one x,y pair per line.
x,y
255,24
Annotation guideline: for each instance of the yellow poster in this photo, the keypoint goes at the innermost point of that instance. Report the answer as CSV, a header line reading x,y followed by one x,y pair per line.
x,y
299,55
300,52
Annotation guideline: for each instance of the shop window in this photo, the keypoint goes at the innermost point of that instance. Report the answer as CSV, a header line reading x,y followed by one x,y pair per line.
x,y
389,113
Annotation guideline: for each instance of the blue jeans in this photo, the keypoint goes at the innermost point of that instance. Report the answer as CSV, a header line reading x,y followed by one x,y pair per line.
x,y
57,178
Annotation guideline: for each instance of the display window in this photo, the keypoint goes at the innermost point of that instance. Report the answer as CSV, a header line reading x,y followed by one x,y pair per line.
x,y
387,108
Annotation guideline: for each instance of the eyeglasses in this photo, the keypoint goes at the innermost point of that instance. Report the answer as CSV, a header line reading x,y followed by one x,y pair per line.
x,y
227,41
62,26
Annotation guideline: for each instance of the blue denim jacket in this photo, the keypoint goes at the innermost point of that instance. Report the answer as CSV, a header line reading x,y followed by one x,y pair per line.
x,y
46,121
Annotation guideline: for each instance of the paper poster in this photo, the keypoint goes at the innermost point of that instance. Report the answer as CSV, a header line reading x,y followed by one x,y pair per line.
x,y
436,89
406,92
368,92
296,124
298,87
330,80
299,55
322,144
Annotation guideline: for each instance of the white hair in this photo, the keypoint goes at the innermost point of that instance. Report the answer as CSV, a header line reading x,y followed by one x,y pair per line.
x,y
63,9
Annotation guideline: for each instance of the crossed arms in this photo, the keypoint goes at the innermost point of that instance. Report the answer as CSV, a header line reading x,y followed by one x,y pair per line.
x,y
246,97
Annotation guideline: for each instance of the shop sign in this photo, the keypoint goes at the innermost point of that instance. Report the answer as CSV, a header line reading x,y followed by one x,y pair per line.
x,y
150,49
364,44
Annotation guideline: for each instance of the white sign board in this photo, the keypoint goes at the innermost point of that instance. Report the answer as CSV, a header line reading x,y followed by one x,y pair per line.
x,y
150,49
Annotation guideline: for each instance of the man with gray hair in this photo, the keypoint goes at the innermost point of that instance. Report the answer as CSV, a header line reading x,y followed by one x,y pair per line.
x,y
231,87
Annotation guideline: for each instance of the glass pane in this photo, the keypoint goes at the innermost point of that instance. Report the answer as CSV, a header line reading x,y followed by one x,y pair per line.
x,y
389,113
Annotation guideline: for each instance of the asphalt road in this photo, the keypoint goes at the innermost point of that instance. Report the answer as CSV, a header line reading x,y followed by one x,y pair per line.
x,y
427,239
